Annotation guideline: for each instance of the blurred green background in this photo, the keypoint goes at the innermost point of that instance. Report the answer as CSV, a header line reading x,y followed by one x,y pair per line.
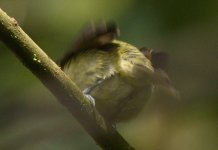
x,y
32,119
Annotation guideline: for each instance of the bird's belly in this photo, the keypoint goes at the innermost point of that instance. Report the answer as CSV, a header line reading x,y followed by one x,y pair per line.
x,y
117,100
119,85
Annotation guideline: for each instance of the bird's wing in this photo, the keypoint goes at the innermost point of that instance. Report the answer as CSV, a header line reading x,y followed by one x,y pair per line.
x,y
159,60
94,36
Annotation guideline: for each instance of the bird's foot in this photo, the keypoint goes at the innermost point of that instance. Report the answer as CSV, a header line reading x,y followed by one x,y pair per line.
x,y
91,99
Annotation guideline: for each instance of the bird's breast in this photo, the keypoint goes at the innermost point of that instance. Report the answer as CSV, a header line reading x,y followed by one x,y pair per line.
x,y
117,78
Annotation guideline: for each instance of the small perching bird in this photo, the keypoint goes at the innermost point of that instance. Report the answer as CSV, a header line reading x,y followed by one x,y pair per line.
x,y
117,77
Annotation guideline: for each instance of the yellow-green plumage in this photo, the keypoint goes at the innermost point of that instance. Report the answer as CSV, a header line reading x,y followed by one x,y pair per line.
x,y
117,77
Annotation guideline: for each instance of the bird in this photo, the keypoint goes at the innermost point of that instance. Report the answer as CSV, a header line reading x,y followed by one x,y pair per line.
x,y
116,77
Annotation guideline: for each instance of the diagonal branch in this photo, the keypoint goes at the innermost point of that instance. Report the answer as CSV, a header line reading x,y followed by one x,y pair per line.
x,y
65,90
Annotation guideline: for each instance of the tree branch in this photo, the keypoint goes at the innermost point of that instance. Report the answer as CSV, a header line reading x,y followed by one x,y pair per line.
x,y
64,89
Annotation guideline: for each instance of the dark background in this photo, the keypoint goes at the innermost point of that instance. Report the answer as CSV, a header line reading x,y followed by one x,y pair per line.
x,y
32,119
